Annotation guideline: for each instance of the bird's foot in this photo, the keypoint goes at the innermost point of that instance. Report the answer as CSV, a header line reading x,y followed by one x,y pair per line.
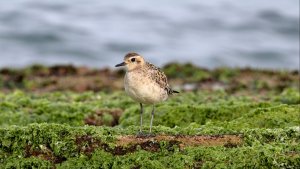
x,y
144,135
151,135
140,134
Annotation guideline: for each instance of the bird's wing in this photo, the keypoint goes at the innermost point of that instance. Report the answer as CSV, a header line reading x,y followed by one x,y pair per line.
x,y
158,76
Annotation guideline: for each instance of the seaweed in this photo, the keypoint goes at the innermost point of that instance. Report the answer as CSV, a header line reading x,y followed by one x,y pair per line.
x,y
63,145
223,118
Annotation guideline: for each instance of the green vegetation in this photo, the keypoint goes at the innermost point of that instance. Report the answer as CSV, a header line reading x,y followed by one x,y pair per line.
x,y
48,145
248,123
211,109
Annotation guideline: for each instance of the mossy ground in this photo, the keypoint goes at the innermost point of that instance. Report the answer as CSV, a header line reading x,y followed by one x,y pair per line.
x,y
234,125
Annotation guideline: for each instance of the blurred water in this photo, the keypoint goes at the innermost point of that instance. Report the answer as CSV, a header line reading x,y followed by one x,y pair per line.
x,y
256,33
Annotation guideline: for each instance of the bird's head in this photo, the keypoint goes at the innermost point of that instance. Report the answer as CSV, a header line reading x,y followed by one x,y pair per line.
x,y
132,61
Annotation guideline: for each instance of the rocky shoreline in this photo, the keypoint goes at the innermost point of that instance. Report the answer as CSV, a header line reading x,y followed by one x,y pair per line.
x,y
183,77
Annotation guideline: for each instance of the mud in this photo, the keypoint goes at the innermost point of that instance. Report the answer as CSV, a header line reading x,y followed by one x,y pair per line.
x,y
185,140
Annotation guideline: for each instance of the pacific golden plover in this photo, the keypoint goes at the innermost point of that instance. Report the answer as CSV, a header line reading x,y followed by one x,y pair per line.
x,y
145,83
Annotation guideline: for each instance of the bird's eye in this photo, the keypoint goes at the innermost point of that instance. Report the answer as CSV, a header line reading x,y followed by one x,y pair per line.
x,y
132,59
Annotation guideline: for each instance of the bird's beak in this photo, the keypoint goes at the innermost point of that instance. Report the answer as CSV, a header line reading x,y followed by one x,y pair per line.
x,y
121,64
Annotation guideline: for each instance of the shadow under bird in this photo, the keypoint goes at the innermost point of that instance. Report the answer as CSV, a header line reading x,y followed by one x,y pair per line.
x,y
145,83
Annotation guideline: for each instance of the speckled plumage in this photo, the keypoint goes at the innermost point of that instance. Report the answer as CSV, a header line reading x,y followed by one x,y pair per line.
x,y
158,76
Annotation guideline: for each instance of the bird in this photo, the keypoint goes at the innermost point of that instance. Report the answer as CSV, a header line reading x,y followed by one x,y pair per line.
x,y
144,83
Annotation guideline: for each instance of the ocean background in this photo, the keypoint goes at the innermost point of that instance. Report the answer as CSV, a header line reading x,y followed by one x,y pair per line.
x,y
211,33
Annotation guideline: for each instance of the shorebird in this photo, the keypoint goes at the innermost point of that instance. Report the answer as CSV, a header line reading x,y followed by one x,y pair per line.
x,y
145,83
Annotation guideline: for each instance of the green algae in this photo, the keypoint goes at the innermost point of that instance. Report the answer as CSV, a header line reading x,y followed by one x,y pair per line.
x,y
50,131
229,112
218,109
64,129
289,96
64,146
188,72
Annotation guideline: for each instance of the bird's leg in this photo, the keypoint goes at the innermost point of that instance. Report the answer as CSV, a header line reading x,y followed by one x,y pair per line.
x,y
141,113
141,134
152,115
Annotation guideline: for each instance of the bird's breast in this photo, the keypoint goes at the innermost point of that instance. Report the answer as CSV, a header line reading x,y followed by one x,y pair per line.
x,y
141,88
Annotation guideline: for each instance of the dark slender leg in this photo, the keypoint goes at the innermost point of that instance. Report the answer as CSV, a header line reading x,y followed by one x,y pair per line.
x,y
152,115
142,110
